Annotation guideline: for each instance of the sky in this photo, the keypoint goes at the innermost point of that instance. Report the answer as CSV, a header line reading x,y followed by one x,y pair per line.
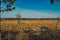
x,y
34,9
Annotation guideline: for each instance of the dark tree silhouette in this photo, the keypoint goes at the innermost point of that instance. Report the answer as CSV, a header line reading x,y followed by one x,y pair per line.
x,y
8,5
52,1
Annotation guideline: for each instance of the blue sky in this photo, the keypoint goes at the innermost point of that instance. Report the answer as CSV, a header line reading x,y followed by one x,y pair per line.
x,y
34,9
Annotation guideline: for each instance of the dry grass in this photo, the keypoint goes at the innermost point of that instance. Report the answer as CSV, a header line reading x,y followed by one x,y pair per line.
x,y
12,25
30,23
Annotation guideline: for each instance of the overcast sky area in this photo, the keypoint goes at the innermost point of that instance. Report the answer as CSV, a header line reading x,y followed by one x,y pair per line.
x,y
34,9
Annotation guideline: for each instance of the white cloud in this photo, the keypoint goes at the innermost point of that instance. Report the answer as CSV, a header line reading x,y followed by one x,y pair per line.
x,y
28,14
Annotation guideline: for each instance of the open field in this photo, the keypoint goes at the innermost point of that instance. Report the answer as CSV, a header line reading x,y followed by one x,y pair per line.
x,y
31,23
34,24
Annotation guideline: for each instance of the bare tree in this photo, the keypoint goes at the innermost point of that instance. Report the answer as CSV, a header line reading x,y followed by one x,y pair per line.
x,y
18,16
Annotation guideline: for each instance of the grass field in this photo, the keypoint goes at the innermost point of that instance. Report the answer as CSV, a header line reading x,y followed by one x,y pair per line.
x,y
20,25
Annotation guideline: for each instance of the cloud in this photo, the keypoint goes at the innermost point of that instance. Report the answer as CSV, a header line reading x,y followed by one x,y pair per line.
x,y
28,14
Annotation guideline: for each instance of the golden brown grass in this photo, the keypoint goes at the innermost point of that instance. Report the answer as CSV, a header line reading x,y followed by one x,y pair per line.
x,y
12,25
